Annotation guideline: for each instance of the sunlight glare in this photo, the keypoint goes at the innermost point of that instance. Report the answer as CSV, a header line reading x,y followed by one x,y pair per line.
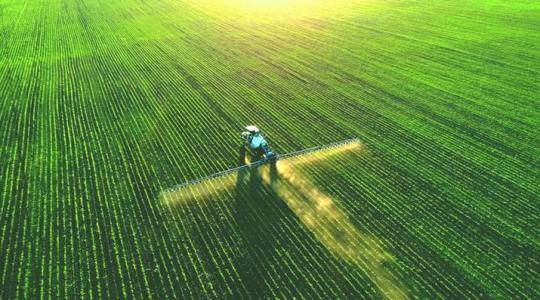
x,y
274,10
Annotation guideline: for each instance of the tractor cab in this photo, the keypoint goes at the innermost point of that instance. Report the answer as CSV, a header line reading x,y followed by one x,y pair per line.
x,y
256,144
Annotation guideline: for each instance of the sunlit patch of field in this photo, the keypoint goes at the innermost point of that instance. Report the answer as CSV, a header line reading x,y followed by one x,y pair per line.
x,y
279,10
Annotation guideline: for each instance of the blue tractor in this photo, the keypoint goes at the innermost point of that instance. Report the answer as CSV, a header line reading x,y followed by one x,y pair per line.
x,y
255,144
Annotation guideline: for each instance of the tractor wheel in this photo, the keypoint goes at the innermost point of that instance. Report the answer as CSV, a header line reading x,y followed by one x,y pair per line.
x,y
242,156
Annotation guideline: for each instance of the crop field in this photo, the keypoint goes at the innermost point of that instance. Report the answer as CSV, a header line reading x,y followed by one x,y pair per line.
x,y
106,105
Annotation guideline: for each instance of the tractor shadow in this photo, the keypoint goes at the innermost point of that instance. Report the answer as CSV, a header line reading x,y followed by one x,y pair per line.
x,y
259,215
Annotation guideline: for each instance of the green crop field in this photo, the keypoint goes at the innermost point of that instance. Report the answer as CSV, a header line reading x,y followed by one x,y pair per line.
x,y
105,104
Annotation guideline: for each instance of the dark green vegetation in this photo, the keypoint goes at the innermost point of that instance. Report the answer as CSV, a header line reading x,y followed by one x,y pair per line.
x,y
105,103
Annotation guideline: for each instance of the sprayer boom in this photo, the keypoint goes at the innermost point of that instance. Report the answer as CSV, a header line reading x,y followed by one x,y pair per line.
x,y
261,162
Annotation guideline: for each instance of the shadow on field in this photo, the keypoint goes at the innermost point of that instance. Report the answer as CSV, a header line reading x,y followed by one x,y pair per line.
x,y
258,220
